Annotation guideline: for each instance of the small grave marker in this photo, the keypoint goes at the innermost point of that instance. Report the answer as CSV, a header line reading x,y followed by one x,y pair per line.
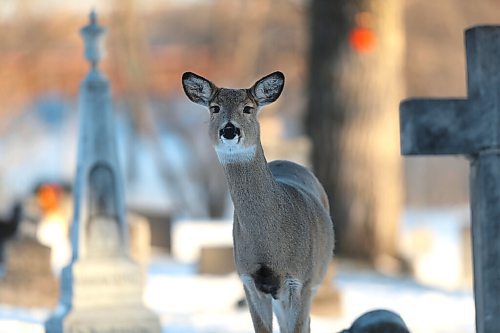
x,y
28,279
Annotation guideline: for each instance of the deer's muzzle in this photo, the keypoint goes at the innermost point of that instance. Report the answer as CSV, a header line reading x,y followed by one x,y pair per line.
x,y
229,131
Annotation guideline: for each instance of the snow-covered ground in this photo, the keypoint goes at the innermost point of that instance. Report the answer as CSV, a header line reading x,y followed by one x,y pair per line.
x,y
190,303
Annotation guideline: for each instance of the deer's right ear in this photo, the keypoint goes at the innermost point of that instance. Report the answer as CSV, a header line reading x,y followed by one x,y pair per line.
x,y
268,89
197,88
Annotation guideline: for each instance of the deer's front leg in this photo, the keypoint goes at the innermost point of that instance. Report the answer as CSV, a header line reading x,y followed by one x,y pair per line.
x,y
260,307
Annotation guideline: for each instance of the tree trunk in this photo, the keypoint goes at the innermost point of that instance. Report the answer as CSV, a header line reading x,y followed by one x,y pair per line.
x,y
355,84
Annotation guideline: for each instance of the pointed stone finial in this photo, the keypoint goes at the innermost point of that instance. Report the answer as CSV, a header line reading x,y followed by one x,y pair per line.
x,y
92,35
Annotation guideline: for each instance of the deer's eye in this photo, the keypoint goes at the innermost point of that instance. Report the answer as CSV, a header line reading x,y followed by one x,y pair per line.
x,y
247,109
215,108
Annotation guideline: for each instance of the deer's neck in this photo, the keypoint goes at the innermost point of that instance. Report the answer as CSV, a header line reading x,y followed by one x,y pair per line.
x,y
250,182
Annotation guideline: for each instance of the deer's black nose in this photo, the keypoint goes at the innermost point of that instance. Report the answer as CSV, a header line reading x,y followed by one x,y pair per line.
x,y
229,131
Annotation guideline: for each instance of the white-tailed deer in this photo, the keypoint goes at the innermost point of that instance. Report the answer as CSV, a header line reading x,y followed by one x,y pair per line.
x,y
283,234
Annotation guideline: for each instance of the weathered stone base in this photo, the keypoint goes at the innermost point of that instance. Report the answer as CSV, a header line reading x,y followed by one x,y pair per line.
x,y
102,283
130,319
102,296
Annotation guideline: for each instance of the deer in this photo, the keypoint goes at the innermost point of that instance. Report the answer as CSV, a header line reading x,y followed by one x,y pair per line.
x,y
282,231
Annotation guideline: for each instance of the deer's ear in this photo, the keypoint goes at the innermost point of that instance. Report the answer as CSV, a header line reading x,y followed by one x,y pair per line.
x,y
268,89
197,88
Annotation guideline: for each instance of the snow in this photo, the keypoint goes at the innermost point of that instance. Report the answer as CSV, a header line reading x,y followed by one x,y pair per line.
x,y
424,309
189,236
191,303
16,320
433,240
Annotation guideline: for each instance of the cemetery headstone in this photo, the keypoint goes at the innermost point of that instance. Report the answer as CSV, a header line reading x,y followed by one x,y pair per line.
x,y
101,289
140,238
160,226
28,280
216,260
470,127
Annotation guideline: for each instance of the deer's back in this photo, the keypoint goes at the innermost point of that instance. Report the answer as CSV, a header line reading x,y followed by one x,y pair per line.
x,y
297,176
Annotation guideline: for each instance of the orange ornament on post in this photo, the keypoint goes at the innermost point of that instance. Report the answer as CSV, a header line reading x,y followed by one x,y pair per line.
x,y
362,38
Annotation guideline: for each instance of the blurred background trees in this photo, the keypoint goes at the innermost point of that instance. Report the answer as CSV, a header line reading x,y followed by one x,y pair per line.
x,y
355,85
343,62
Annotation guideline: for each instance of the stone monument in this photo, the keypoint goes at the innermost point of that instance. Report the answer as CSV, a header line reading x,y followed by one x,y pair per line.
x,y
470,127
101,289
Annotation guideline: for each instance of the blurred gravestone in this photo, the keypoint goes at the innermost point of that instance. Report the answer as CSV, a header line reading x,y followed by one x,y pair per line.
x,y
160,226
216,260
328,299
470,127
206,242
140,238
28,279
102,287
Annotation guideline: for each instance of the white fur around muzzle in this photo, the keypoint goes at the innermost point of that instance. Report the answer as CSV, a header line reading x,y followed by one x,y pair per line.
x,y
233,151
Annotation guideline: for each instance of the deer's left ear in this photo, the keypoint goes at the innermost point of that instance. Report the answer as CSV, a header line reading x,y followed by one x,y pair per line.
x,y
268,89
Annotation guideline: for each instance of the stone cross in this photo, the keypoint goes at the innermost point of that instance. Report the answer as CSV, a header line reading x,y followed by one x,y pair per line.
x,y
101,289
470,127
93,36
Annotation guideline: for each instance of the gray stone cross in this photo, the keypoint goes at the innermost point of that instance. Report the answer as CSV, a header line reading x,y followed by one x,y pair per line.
x,y
470,127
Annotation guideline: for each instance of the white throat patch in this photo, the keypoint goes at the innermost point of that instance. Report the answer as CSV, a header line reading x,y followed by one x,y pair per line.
x,y
229,151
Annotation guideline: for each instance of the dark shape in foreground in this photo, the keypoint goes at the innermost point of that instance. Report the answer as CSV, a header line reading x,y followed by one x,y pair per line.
x,y
9,226
378,321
